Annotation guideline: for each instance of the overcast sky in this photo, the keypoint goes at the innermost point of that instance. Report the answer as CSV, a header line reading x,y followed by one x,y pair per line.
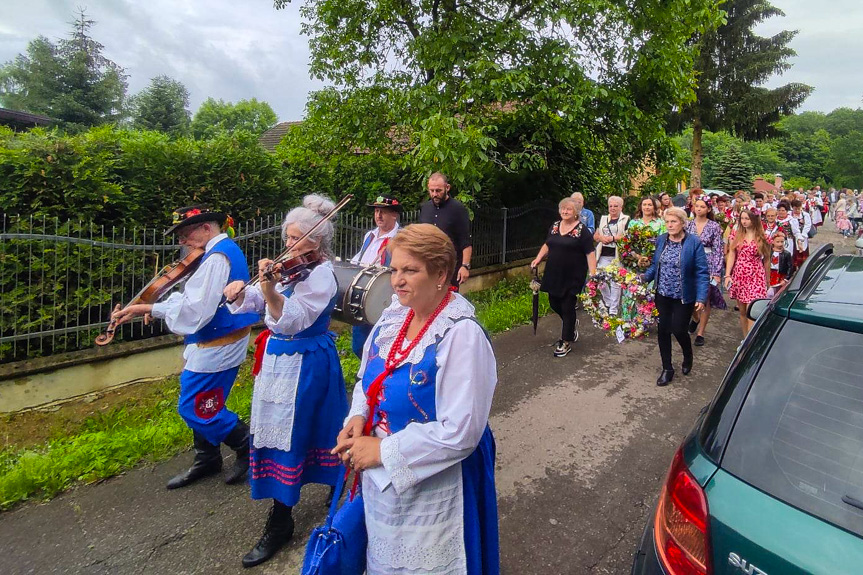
x,y
236,49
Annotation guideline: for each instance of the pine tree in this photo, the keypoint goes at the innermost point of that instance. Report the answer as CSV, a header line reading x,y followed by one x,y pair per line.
x,y
72,82
162,106
732,65
733,172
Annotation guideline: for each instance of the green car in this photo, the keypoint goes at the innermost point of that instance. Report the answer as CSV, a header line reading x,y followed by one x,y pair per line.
x,y
770,480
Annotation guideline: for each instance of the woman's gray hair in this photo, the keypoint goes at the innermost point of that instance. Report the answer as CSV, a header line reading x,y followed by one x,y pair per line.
x,y
678,213
568,200
312,211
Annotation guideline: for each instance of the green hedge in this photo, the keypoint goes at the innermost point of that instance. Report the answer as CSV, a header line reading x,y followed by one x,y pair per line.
x,y
111,176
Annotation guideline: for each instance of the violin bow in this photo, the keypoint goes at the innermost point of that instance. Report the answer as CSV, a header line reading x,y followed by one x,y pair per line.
x,y
287,252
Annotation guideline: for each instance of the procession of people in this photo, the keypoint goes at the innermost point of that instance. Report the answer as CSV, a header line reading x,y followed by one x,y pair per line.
x,y
415,430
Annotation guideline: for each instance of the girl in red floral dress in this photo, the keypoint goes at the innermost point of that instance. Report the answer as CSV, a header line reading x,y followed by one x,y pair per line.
x,y
747,268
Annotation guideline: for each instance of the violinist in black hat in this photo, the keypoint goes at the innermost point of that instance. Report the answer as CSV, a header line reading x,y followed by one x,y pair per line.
x,y
216,341
387,210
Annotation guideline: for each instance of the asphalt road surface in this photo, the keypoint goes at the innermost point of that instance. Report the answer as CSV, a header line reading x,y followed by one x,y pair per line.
x,y
583,444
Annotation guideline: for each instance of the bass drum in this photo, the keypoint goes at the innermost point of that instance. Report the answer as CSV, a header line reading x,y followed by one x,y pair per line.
x,y
364,293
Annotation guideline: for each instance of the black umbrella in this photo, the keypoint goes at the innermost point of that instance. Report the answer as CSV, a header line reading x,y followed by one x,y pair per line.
x,y
680,200
534,287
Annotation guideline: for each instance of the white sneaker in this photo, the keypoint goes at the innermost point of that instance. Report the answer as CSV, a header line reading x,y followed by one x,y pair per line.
x,y
575,339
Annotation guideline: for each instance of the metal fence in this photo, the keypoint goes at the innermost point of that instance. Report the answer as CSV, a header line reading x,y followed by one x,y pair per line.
x,y
60,280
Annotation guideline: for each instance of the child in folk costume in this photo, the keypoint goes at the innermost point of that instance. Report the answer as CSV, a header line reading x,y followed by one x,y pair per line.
x,y
300,401
418,426
781,264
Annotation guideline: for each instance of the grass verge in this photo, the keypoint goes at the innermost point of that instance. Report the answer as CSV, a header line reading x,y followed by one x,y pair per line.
x,y
148,429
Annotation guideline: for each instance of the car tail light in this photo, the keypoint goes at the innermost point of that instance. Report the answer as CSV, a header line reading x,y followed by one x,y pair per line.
x,y
681,525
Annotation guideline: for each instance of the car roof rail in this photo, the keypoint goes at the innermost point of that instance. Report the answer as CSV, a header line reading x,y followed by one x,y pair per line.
x,y
808,266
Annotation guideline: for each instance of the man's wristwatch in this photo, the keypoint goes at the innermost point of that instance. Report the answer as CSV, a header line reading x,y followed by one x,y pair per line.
x,y
465,266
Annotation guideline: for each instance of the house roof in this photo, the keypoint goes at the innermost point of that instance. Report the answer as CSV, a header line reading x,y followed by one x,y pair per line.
x,y
762,185
271,138
17,119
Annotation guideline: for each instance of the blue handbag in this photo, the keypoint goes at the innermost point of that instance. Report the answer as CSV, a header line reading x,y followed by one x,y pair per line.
x,y
338,547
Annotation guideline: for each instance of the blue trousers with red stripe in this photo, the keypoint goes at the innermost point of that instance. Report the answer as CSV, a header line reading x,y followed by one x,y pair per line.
x,y
202,403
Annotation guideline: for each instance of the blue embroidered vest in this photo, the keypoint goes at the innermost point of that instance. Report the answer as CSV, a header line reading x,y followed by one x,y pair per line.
x,y
409,393
224,322
315,336
387,256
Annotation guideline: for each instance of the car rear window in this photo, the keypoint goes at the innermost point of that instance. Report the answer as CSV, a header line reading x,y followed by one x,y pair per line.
x,y
799,436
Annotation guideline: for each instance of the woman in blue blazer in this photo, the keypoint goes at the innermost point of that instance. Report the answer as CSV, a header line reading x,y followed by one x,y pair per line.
x,y
682,277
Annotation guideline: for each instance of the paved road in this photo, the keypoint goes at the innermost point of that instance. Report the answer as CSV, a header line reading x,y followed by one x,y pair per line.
x,y
583,444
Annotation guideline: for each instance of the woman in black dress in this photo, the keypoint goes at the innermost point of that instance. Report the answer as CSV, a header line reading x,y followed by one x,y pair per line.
x,y
569,247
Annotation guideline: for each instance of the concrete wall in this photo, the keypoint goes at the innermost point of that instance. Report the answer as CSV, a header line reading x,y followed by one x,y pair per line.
x,y
42,381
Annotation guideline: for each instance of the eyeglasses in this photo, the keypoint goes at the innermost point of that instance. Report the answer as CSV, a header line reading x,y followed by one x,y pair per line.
x,y
186,232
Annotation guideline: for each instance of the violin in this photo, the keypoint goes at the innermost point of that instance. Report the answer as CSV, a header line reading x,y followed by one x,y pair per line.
x,y
170,276
292,269
287,261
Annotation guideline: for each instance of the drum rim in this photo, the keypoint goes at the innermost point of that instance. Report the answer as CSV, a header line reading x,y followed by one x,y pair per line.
x,y
372,270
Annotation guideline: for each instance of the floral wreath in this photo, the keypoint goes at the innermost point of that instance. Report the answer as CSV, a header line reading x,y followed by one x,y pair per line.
x,y
638,311
639,240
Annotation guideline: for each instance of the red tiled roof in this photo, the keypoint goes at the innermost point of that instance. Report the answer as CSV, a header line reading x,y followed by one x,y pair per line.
x,y
762,185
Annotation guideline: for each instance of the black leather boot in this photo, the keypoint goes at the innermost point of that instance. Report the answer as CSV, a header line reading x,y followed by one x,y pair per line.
x,y
208,461
238,440
665,377
279,530
687,366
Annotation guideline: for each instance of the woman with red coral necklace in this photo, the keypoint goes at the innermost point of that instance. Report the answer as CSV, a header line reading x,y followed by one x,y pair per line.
x,y
418,426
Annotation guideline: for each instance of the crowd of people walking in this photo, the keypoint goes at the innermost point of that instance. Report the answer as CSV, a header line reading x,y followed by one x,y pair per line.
x,y
748,244
416,427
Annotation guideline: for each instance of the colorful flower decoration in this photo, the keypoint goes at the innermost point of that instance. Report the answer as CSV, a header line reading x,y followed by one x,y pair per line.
x,y
638,313
639,240
722,219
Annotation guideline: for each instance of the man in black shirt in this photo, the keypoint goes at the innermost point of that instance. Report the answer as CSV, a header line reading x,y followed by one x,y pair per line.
x,y
452,218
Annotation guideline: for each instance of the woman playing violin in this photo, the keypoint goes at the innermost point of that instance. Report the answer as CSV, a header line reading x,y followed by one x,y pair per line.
x,y
300,402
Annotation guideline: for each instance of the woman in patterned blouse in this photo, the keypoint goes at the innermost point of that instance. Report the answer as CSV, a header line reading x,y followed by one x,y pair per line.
x,y
705,228
682,277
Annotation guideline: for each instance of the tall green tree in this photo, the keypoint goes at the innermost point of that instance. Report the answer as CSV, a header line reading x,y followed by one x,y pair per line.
x,y
71,81
215,116
162,106
846,161
733,171
732,65
482,87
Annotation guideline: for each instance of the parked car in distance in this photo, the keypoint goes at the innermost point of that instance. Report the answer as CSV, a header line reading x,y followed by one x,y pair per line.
x,y
770,479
